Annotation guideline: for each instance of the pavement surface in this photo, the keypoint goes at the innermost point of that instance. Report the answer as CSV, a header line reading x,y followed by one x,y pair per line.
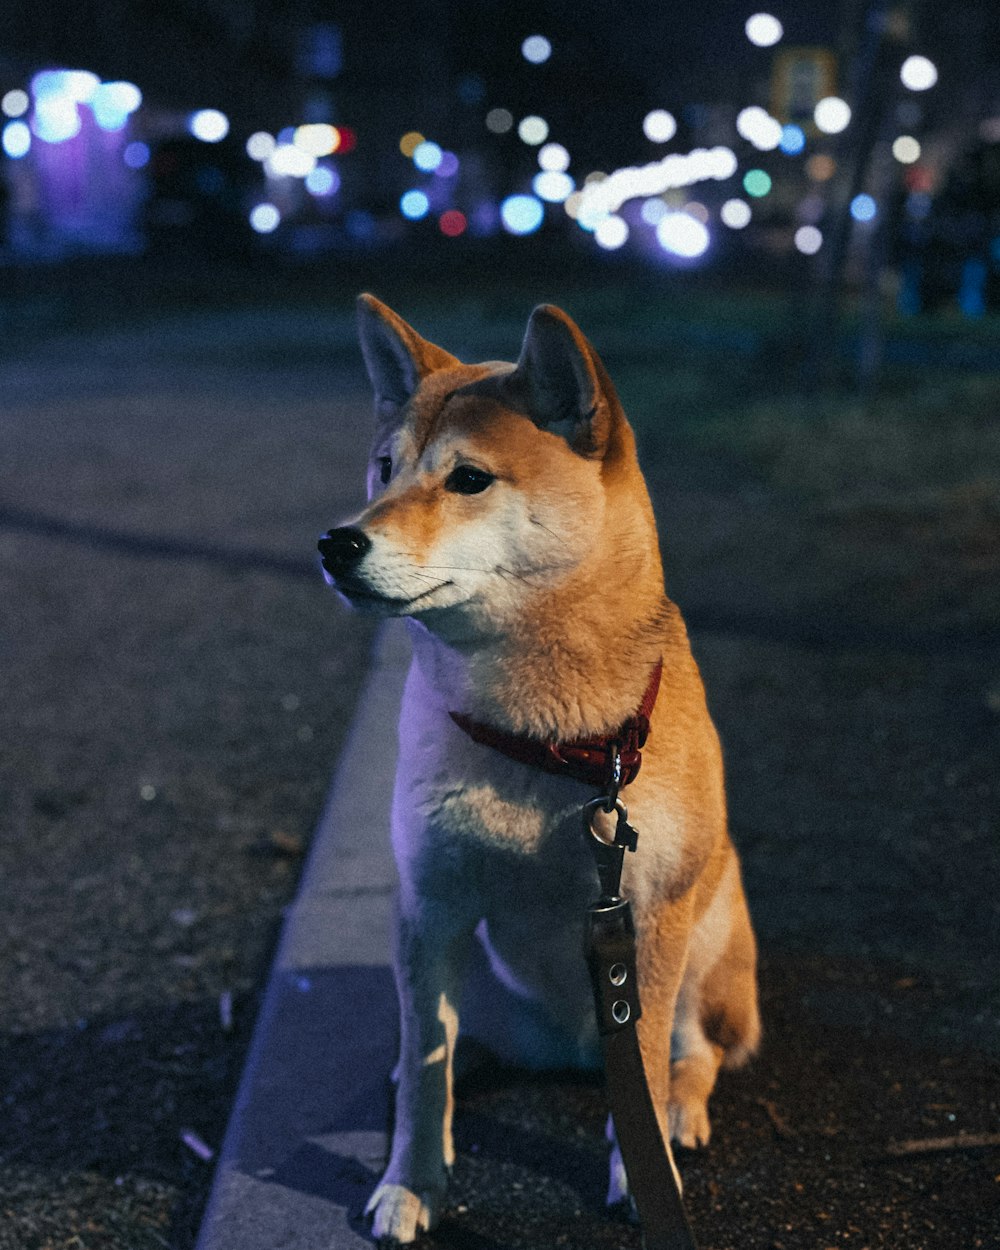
x,y
177,687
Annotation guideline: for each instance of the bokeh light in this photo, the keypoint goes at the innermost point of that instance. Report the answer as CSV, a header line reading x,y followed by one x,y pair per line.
x,y
522,214
653,211
410,142
906,149
536,49
260,145
113,103
447,166
659,126
427,156
808,240
16,139
757,182
533,130
863,208
758,127
322,181
611,233
265,218
209,125
452,223
763,30
317,138
832,115
15,103
735,214
918,73
288,161
56,118
553,157
414,205
793,140
820,167
682,235
136,155
499,121
553,185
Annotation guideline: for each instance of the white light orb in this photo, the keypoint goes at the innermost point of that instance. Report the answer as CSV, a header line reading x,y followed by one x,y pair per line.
x,y
735,214
553,157
906,149
832,115
288,161
611,232
808,240
260,145
265,218
682,235
758,127
553,185
209,125
317,138
533,130
536,49
918,73
15,103
659,126
763,30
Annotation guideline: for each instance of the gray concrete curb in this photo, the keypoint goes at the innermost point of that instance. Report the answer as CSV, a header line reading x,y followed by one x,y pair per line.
x,y
306,1137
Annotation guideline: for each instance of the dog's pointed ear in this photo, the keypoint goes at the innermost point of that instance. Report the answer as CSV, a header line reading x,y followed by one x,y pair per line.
x,y
396,357
557,378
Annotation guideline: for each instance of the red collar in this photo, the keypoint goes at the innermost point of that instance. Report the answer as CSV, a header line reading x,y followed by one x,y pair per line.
x,y
585,759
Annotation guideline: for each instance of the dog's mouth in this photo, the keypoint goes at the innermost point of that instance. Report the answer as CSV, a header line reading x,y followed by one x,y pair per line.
x,y
392,603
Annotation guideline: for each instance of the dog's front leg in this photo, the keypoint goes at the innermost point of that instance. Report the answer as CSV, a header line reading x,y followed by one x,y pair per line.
x,y
430,955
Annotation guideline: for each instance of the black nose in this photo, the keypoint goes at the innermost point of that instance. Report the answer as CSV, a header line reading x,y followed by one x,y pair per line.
x,y
343,549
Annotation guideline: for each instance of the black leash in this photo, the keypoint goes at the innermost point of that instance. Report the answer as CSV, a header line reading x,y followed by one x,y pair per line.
x,y
611,959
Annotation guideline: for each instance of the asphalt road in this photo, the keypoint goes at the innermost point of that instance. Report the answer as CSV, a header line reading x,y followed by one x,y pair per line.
x,y
174,690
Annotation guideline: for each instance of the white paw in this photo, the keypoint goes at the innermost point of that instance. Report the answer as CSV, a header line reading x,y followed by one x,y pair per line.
x,y
399,1215
688,1122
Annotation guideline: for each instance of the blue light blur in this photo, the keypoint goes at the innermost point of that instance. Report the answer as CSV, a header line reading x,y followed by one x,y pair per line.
x,y
56,119
136,155
265,218
553,185
414,205
863,208
447,166
323,181
521,214
793,140
16,140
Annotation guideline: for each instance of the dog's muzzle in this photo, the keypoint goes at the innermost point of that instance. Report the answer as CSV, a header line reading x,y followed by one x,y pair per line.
x,y
343,549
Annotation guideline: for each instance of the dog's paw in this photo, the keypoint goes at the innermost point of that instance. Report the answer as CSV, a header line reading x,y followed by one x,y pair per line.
x,y
399,1215
687,1119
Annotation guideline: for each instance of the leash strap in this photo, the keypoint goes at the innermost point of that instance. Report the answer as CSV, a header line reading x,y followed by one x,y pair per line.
x,y
611,959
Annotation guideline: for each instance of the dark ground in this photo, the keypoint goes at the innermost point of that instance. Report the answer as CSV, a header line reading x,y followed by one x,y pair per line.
x,y
176,685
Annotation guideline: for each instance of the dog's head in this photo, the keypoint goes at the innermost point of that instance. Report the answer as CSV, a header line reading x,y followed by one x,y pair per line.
x,y
489,485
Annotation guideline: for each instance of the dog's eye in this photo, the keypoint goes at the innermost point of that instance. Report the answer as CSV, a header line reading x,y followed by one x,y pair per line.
x,y
384,469
465,480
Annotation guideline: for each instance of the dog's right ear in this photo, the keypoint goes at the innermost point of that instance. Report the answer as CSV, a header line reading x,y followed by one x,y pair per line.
x,y
396,357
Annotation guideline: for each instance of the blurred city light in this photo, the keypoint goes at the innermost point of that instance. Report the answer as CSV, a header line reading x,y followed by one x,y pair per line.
x,y
758,127
533,130
756,182
906,149
609,193
136,155
536,49
735,214
808,240
56,118
113,103
918,73
863,208
682,235
763,30
653,211
793,140
659,126
611,233
317,138
553,185
288,161
447,166
821,167
265,218
410,142
16,139
427,156
452,223
15,103
322,181
414,205
209,125
553,157
499,121
521,214
260,145
832,115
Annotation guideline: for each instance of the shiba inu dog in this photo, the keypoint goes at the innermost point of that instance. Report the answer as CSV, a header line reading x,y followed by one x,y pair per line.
x,y
509,521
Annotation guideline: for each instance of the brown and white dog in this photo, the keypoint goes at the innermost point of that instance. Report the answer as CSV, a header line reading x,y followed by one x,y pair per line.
x,y
509,521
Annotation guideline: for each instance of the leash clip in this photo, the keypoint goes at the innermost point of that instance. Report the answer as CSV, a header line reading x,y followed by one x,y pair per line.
x,y
609,855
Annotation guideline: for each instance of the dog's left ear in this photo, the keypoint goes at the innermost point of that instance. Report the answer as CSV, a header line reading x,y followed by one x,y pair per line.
x,y
558,381
396,357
